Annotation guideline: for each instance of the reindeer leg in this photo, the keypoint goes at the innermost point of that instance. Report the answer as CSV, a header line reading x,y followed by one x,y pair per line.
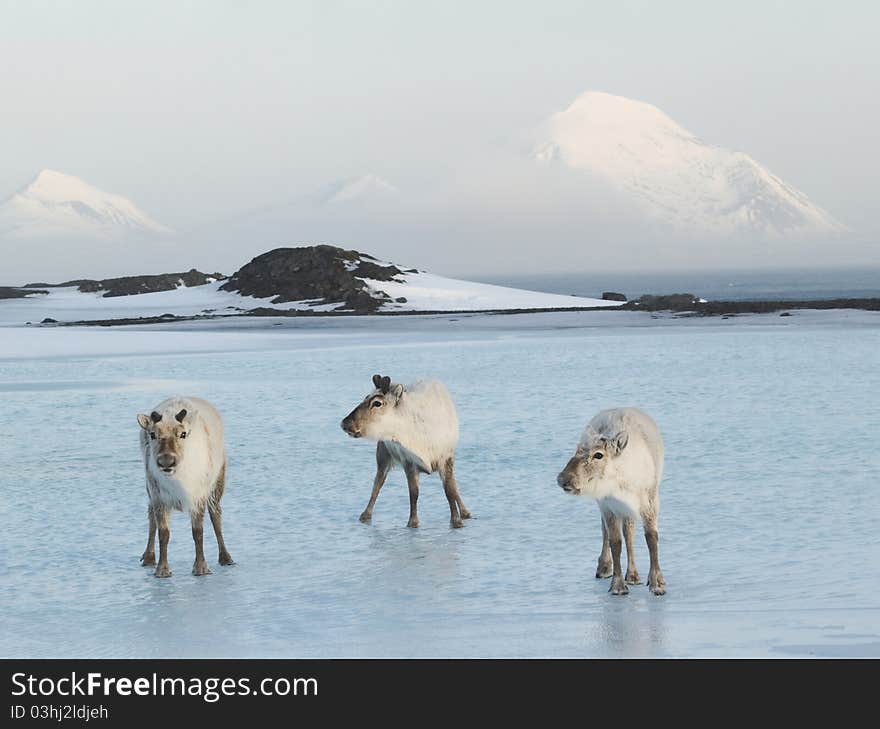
x,y
412,480
197,518
447,474
383,465
618,586
148,558
163,519
656,582
216,513
603,567
632,572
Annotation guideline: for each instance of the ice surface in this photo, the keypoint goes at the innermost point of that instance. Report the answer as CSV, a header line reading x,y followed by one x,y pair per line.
x,y
769,496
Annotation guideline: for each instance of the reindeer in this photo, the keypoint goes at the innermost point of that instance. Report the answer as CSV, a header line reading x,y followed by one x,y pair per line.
x,y
619,462
185,464
417,428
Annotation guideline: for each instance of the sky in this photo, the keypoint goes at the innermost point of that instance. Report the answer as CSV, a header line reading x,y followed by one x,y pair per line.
x,y
204,112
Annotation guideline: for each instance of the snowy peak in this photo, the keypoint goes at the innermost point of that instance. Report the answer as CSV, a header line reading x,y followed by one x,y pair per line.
x,y
675,176
359,189
56,204
52,186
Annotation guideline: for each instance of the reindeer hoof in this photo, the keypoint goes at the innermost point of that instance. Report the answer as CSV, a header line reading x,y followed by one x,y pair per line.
x,y
366,517
603,570
632,578
226,559
201,568
163,570
656,583
148,560
413,524
457,523
618,587
465,514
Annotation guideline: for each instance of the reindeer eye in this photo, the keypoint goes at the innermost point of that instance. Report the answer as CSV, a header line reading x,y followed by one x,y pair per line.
x,y
183,434
376,404
598,456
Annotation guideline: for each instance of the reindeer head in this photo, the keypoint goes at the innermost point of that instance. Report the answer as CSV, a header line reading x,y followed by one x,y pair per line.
x,y
377,407
166,433
592,461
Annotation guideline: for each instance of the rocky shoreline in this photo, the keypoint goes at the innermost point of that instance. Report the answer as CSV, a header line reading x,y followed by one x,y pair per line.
x,y
332,281
723,309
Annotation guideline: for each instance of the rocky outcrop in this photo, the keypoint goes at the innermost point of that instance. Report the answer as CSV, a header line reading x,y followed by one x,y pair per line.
x,y
132,285
668,302
613,296
13,292
318,274
699,307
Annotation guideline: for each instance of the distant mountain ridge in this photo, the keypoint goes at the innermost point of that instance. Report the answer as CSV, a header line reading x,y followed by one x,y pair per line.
x,y
55,204
673,175
358,189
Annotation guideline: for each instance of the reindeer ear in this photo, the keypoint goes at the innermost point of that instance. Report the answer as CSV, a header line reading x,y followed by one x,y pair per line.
x,y
377,381
180,416
144,421
398,391
618,442
386,384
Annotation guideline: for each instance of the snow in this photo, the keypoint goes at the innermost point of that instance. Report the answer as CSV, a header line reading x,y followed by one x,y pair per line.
x,y
361,188
57,204
428,292
748,532
69,304
423,291
675,176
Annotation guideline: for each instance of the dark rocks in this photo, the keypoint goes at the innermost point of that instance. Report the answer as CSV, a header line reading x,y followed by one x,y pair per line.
x,y
613,296
401,299
323,274
668,302
688,302
709,308
13,292
133,285
49,320
368,269
363,302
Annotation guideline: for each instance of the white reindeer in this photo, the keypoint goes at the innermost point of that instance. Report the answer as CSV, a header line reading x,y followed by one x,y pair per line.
x,y
417,428
619,462
185,463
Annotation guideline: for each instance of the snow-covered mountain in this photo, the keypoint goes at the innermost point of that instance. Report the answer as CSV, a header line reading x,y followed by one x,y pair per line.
x,y
358,189
55,204
673,175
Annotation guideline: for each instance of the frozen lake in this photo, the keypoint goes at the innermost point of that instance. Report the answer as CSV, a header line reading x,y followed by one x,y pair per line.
x,y
768,535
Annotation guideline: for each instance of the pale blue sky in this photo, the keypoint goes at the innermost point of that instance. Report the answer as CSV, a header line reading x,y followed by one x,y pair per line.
x,y
196,109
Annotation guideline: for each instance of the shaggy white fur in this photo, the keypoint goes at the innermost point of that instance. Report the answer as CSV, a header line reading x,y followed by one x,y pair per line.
x,y
201,458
